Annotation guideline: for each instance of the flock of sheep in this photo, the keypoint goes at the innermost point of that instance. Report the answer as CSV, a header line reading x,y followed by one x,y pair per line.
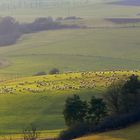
x,y
70,81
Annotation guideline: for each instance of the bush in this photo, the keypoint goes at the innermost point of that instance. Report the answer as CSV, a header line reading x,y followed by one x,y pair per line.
x,y
75,131
30,133
123,100
117,122
40,73
109,123
54,71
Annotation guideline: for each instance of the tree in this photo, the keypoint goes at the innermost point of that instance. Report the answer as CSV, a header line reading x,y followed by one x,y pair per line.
x,y
113,97
132,85
97,110
131,93
75,110
123,96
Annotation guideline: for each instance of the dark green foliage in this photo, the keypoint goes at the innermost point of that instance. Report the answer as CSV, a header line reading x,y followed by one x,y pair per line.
x,y
97,110
75,110
123,102
113,97
54,71
131,94
124,97
109,123
78,111
132,85
75,131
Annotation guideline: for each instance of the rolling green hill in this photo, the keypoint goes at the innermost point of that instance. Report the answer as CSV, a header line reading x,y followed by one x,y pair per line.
x,y
103,45
73,50
40,100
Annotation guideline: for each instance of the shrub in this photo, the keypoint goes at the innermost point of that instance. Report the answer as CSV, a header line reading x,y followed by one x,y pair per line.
x,y
30,133
109,123
123,100
75,131
40,73
54,71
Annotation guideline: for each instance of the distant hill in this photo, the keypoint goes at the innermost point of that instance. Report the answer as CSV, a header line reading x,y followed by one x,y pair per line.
x,y
127,2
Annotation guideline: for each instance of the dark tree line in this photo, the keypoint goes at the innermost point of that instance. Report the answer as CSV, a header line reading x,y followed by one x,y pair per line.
x,y
124,96
77,111
11,30
119,107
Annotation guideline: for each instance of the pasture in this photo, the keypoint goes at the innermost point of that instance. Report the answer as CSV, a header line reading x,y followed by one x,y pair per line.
x,y
69,82
40,100
73,50
110,45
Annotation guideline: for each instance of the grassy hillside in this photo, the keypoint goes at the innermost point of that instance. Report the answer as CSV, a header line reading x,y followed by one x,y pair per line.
x,y
40,100
29,104
130,133
102,47
73,50
105,45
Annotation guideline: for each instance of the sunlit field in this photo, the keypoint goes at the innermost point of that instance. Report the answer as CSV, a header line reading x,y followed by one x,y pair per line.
x,y
29,100
103,49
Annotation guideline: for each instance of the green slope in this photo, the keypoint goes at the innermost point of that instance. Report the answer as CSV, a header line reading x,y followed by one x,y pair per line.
x,y
42,110
73,50
29,104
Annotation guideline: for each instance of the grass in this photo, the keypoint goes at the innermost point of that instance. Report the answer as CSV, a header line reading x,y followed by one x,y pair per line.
x,y
95,49
23,107
73,50
44,110
41,134
69,82
130,133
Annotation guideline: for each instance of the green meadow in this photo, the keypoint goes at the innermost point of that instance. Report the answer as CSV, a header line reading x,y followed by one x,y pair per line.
x,y
102,46
73,50
43,109
23,102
